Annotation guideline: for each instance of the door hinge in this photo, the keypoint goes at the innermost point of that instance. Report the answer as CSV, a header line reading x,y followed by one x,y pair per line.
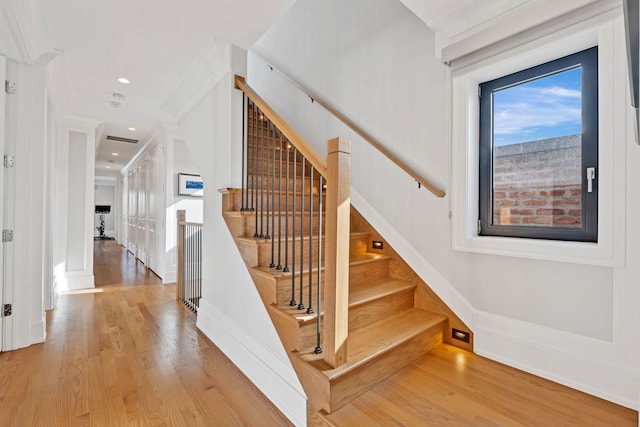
x,y
9,87
9,161
6,310
7,236
479,227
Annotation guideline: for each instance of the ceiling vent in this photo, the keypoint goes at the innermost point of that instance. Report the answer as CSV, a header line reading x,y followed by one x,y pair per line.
x,y
121,139
117,99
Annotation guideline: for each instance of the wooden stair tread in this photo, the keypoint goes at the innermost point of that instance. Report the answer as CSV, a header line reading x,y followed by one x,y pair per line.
x,y
360,294
357,258
377,338
360,258
369,291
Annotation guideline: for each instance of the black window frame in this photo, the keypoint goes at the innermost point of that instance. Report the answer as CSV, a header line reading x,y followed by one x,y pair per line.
x,y
588,232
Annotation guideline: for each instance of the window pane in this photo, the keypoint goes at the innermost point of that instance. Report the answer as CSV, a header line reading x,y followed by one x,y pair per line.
x,y
537,158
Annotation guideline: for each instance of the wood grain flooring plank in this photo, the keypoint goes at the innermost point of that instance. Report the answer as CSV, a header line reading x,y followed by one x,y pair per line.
x,y
128,354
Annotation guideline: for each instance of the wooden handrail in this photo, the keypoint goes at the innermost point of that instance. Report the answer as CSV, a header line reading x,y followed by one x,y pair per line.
x,y
423,181
292,136
195,224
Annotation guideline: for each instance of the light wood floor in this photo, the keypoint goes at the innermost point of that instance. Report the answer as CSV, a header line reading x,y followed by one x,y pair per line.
x,y
453,387
126,355
129,354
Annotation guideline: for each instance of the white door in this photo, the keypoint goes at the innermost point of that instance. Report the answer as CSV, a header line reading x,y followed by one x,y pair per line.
x,y
155,209
150,210
133,225
142,213
3,77
8,120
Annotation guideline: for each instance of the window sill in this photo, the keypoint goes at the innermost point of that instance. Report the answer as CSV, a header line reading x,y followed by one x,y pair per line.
x,y
545,250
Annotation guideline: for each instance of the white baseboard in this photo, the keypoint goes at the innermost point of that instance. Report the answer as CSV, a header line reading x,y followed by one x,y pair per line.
x,y
558,356
169,277
75,283
38,332
260,364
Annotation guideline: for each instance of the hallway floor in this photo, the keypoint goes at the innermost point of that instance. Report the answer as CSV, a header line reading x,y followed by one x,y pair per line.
x,y
127,353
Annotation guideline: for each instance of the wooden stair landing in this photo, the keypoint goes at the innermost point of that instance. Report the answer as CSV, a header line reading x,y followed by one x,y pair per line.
x,y
377,351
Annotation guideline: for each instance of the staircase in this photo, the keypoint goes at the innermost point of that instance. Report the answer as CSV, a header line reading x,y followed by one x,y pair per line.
x,y
393,317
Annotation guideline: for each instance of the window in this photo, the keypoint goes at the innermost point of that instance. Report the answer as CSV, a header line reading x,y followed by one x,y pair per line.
x,y
539,151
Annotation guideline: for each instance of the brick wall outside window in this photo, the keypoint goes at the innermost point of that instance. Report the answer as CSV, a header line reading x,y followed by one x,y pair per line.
x,y
538,183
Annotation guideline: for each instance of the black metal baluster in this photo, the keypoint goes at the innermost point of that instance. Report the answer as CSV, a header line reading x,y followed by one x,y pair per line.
x,y
286,219
253,157
244,142
199,290
196,279
261,155
256,176
188,246
272,156
190,266
184,270
189,251
279,266
293,233
310,305
301,305
193,267
318,348
269,180
186,260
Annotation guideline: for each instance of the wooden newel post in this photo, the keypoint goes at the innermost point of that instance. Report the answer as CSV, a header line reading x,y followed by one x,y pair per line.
x,y
181,216
336,299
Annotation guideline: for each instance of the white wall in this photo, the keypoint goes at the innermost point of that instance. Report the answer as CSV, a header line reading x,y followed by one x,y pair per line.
x,y
179,160
74,204
376,61
231,313
183,163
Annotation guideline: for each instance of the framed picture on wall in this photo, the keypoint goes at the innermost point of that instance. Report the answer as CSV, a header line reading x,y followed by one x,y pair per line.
x,y
190,185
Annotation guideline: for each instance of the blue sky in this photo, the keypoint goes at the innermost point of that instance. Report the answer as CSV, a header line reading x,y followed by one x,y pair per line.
x,y
544,108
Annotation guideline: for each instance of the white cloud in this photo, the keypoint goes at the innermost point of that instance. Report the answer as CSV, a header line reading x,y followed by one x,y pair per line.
x,y
561,92
521,110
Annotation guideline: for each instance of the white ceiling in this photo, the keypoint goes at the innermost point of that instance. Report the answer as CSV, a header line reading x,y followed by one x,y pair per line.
x,y
155,44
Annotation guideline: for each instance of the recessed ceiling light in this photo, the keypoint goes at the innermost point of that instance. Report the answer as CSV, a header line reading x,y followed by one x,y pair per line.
x,y
132,128
108,167
124,81
114,154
